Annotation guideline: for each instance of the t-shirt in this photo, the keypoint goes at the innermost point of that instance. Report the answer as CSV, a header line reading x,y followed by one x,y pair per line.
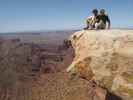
x,y
93,19
104,18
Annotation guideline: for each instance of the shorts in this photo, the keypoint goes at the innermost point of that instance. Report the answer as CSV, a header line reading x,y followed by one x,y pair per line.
x,y
100,25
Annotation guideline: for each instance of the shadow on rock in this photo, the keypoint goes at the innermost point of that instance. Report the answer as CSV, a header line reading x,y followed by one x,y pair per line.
x,y
110,96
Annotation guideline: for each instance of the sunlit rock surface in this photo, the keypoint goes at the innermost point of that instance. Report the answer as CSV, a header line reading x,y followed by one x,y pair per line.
x,y
105,56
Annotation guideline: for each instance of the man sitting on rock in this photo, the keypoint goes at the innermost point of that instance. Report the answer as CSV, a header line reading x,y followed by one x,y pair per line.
x,y
103,19
92,20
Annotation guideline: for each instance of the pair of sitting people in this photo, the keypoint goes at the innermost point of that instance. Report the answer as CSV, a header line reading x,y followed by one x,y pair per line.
x,y
98,21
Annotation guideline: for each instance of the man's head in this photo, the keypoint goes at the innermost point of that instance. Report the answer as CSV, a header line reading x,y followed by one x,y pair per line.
x,y
102,11
95,11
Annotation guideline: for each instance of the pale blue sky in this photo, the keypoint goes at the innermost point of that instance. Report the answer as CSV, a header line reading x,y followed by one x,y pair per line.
x,y
30,15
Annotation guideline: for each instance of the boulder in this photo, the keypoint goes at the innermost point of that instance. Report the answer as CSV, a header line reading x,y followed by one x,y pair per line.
x,y
105,56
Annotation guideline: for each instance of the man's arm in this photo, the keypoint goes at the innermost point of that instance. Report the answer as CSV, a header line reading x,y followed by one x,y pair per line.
x,y
109,23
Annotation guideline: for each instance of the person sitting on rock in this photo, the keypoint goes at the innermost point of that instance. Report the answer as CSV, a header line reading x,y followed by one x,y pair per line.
x,y
103,19
92,20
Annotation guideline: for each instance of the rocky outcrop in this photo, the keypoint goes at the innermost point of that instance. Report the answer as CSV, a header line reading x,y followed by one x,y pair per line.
x,y
105,56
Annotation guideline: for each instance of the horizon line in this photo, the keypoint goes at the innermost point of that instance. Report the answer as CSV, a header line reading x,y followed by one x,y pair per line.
x,y
54,30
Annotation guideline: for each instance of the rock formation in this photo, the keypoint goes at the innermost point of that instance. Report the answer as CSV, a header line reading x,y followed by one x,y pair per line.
x,y
105,56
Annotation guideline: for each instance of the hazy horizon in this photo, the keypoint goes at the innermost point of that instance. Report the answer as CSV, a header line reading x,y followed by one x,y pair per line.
x,y
40,15
58,30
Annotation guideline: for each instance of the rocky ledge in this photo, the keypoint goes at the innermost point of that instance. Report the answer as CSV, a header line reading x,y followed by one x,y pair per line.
x,y
105,56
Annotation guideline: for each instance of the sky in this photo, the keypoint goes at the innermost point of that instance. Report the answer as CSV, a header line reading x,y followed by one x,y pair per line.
x,y
37,15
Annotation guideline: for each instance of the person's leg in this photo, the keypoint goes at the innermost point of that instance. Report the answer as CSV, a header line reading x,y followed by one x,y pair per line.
x,y
97,26
100,25
103,25
87,24
90,24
